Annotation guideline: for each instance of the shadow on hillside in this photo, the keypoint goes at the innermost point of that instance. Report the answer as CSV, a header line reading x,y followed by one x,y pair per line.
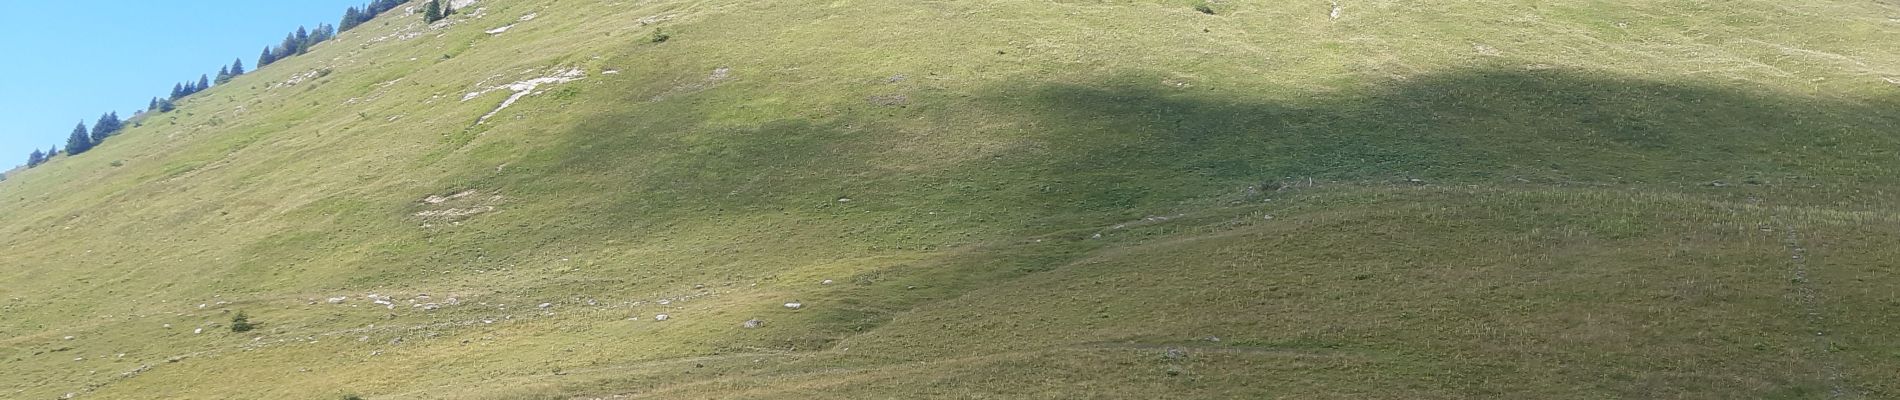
x,y
1084,156
1132,142
1542,127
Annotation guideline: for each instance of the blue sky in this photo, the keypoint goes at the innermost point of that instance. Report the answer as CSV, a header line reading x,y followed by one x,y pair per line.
x,y
67,61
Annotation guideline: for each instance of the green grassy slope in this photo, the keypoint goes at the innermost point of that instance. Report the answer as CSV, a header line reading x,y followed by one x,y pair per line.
x,y
1011,199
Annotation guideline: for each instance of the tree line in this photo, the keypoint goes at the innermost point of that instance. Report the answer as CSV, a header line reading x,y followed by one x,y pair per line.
x,y
295,43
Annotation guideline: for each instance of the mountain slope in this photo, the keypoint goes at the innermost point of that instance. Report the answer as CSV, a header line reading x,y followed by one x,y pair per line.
x,y
1009,199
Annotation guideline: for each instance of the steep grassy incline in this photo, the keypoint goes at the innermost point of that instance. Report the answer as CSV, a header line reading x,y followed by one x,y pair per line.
x,y
994,199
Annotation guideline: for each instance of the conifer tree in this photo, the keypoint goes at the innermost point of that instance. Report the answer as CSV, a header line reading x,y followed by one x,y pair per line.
x,y
289,47
178,90
79,141
108,124
35,159
302,41
237,67
432,12
266,58
166,105
351,18
224,75
203,83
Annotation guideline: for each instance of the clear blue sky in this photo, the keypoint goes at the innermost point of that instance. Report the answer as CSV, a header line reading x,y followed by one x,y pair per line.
x,y
65,61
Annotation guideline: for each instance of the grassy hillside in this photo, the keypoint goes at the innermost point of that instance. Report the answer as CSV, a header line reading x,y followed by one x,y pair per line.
x,y
994,199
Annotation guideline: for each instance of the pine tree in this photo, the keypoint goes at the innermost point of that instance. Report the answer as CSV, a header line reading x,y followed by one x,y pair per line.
x,y
266,58
351,18
108,124
237,67
203,83
242,323
166,106
302,41
79,141
35,159
289,47
432,12
224,75
154,105
178,90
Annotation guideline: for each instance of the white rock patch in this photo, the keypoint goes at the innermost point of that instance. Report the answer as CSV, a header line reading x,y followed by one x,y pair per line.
x,y
525,88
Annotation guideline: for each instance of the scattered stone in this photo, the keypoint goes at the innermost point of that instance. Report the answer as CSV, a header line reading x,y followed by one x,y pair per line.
x,y
826,282
794,305
661,317
545,306
338,299
753,323
69,338
1175,354
197,331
